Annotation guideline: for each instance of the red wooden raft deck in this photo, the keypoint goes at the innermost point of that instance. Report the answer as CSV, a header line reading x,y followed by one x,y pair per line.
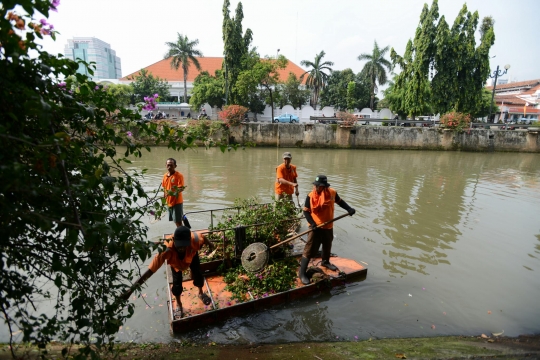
x,y
223,306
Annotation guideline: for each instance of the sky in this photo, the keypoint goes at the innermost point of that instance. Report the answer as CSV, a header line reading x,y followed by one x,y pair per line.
x,y
138,30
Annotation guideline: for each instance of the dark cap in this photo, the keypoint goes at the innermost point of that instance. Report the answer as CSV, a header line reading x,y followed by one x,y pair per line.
x,y
287,155
321,180
182,236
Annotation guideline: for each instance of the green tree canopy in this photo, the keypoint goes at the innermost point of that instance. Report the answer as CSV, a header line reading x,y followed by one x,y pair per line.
x,y
462,67
183,53
374,69
122,93
145,84
71,215
292,92
317,77
335,92
442,68
208,89
263,76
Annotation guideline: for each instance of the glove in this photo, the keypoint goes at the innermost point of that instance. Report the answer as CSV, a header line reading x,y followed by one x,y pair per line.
x,y
346,206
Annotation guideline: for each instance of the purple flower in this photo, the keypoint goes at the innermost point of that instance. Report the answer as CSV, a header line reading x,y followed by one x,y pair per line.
x,y
97,87
129,134
151,212
355,337
62,85
43,22
54,5
156,96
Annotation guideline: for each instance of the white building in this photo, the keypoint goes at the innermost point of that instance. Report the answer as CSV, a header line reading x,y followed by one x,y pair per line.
x,y
91,49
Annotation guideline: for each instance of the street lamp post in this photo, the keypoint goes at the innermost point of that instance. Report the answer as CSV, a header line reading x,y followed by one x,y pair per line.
x,y
277,54
495,75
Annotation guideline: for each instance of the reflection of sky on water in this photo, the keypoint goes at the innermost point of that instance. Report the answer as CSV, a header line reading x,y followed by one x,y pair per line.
x,y
447,236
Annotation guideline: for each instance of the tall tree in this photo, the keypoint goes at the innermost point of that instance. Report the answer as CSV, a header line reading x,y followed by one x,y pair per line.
x,y
335,92
374,69
462,68
292,93
71,211
145,84
236,48
182,53
316,76
208,89
264,76
442,68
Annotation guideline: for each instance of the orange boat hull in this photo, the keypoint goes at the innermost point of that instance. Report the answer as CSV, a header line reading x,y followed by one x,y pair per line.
x,y
223,306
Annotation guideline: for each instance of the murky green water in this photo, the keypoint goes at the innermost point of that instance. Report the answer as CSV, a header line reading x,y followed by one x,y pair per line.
x,y
452,241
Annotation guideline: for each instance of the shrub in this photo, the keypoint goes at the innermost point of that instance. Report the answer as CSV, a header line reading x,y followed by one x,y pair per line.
x,y
233,115
347,119
455,120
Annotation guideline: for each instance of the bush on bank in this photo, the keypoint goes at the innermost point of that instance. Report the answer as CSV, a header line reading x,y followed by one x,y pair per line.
x,y
70,214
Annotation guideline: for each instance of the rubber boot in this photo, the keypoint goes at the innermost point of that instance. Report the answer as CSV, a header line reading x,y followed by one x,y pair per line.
x,y
326,258
302,273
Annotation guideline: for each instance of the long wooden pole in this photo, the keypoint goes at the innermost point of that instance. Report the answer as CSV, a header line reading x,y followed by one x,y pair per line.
x,y
308,231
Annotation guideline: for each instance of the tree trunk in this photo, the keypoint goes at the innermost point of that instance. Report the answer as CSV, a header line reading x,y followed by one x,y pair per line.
x,y
185,86
271,103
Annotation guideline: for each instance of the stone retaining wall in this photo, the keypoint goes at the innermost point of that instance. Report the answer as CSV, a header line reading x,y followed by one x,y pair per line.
x,y
383,137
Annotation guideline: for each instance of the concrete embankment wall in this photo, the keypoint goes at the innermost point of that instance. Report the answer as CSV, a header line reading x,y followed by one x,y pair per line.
x,y
383,137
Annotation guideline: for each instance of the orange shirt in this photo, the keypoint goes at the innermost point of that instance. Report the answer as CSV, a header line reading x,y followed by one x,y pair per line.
x,y
287,174
172,257
321,206
171,183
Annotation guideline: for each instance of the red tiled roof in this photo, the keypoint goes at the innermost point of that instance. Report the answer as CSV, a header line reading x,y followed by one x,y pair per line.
x,y
528,83
519,110
163,70
509,100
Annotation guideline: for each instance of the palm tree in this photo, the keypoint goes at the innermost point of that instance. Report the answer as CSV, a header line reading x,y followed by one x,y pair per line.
x,y
182,52
374,69
317,78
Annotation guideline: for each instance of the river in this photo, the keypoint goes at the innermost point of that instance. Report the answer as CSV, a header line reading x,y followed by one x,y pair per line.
x,y
452,241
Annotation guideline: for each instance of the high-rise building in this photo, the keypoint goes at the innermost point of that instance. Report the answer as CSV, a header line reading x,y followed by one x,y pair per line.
x,y
91,49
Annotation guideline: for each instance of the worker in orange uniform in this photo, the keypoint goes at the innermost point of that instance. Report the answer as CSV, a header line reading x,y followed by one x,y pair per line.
x,y
181,254
319,208
173,186
286,178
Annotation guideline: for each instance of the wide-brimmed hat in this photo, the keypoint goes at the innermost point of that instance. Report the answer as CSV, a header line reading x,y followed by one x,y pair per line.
x,y
182,236
287,155
321,180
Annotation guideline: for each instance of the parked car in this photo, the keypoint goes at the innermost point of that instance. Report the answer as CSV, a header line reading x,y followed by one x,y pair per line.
x,y
286,118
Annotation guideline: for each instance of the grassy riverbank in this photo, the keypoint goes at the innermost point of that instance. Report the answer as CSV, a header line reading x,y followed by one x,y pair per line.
x,y
452,347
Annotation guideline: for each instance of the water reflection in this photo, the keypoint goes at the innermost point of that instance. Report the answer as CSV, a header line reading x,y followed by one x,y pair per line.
x,y
433,226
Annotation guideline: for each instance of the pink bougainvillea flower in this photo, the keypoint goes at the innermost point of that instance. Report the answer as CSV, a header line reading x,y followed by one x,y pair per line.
x,y
43,22
62,85
129,134
97,87
54,5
